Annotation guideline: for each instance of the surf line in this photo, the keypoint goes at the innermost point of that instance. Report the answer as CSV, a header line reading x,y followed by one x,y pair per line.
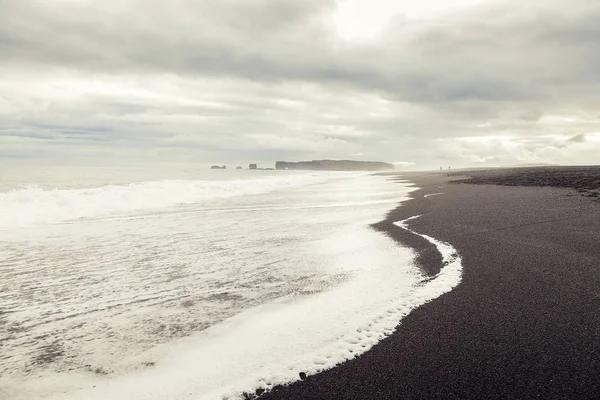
x,y
357,342
360,341
429,289
431,194
449,276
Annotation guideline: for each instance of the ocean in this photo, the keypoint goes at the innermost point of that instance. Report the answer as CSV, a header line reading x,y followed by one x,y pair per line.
x,y
127,283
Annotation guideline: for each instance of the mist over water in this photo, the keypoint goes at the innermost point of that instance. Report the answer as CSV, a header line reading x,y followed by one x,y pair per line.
x,y
125,277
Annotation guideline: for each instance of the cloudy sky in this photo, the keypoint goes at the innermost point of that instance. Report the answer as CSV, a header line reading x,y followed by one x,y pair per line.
x,y
421,83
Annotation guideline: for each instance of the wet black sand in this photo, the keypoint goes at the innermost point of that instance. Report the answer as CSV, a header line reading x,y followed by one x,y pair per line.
x,y
523,324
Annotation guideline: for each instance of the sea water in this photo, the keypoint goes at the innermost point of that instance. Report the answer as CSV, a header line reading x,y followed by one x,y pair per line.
x,y
140,284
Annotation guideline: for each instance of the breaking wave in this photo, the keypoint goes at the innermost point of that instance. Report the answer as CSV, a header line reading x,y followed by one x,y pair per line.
x,y
33,205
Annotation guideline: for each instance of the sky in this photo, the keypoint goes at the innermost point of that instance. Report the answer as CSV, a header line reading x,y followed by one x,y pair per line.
x,y
461,83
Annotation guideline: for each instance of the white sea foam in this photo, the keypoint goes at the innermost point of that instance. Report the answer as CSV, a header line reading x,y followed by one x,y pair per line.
x,y
274,343
32,205
289,282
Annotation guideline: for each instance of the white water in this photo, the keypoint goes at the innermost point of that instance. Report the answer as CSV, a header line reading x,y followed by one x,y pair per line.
x,y
34,205
206,299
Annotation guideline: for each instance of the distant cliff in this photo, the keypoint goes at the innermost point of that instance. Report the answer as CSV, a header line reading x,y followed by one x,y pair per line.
x,y
334,165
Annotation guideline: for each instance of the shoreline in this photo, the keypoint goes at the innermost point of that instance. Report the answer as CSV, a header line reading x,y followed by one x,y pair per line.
x,y
524,322
250,346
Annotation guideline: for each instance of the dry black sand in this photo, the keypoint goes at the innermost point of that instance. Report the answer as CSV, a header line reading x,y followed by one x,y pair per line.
x,y
584,179
525,321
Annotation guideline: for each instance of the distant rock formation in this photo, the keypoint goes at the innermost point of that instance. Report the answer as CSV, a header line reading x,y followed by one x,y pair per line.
x,y
238,167
255,167
218,167
335,165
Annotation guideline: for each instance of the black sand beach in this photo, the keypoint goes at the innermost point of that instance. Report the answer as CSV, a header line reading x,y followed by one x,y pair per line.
x,y
525,321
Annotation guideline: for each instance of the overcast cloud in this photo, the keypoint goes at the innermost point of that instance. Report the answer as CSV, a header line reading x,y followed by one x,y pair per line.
x,y
235,81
